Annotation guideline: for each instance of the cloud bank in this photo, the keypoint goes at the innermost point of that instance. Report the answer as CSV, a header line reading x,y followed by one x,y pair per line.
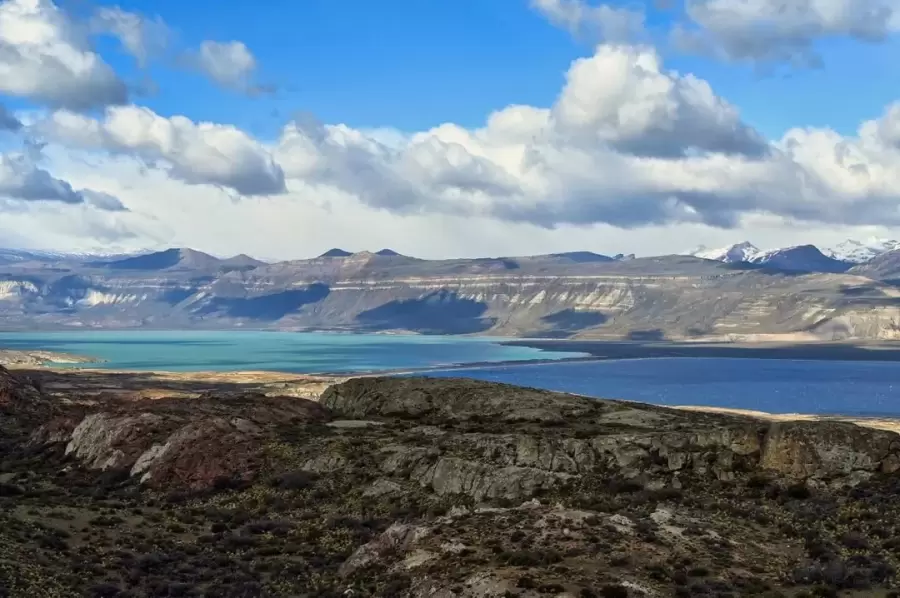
x,y
627,144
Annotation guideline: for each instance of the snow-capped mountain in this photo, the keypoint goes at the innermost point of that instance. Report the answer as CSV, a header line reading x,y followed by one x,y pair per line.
x,y
739,252
800,258
860,252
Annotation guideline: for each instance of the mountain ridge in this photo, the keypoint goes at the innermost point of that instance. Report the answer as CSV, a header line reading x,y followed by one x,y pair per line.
x,y
568,295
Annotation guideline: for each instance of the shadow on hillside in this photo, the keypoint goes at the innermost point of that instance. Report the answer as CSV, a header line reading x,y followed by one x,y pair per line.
x,y
266,307
441,312
867,296
567,322
652,334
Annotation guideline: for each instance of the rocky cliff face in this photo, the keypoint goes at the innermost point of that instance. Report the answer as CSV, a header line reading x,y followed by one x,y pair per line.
x,y
558,296
438,487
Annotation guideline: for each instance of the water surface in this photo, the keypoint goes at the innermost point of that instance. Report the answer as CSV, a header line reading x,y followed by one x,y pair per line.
x,y
857,388
280,351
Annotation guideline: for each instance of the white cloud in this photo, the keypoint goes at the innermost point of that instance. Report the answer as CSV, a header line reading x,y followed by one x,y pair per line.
x,y
310,219
601,21
627,144
196,153
621,96
46,57
228,63
779,30
143,37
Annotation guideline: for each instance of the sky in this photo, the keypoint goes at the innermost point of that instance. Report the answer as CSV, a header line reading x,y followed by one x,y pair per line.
x,y
447,129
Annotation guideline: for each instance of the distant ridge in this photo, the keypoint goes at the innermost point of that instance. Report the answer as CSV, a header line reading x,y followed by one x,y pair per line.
x,y
241,262
583,257
387,253
336,252
164,260
572,294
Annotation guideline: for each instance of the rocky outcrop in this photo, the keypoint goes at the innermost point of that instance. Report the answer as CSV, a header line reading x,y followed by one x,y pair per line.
x,y
180,444
447,401
824,449
463,437
533,444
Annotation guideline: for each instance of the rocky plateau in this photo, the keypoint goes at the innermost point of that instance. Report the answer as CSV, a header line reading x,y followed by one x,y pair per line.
x,y
428,487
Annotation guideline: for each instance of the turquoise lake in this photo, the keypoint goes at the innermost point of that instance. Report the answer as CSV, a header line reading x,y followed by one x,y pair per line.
x,y
281,351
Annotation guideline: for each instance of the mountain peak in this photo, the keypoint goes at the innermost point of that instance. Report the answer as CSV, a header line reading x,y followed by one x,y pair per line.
x,y
387,253
168,258
800,258
336,252
739,252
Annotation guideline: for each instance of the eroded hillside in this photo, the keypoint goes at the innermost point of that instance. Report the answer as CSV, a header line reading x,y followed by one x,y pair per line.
x,y
566,295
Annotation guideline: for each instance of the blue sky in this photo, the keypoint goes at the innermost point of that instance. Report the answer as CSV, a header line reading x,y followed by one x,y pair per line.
x,y
414,64
617,127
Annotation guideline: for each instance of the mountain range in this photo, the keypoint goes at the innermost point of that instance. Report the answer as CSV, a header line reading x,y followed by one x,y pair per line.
x,y
803,258
797,293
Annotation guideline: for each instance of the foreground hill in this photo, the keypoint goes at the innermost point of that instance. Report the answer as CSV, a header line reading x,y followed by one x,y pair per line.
x,y
430,487
577,294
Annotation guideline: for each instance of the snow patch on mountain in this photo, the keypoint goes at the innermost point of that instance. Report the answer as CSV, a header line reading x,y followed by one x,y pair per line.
x,y
860,252
739,252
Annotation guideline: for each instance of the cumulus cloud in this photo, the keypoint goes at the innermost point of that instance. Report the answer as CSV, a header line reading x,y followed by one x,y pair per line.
x,y
46,57
626,143
196,153
22,180
621,96
781,31
8,122
143,37
230,64
409,178
600,21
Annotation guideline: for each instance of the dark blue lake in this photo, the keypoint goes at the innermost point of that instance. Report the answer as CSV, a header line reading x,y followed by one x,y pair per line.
x,y
862,388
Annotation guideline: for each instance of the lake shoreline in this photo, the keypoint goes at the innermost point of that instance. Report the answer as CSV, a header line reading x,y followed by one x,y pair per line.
x,y
600,350
138,384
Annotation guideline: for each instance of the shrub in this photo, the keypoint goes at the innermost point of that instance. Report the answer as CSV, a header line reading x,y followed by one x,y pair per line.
x,y
294,480
614,591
